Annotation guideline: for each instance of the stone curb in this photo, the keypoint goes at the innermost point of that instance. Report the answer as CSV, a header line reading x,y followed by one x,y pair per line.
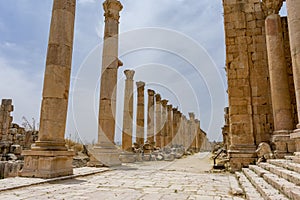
x,y
43,181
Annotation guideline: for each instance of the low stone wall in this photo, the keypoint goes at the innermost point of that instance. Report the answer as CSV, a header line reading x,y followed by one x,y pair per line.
x,y
10,168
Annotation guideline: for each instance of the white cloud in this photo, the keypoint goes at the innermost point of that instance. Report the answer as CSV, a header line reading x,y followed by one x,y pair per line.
x,y
86,1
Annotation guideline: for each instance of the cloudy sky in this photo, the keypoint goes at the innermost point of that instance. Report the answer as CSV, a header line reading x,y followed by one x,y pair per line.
x,y
175,46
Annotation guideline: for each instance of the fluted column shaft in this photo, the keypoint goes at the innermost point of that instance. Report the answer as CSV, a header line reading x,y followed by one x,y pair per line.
x,y
158,121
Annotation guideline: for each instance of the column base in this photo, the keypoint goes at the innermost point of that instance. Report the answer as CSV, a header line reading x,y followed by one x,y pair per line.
x,y
295,136
241,156
284,145
127,157
47,164
104,155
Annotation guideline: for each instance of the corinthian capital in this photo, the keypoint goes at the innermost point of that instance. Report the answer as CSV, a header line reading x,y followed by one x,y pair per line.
x,y
112,9
271,6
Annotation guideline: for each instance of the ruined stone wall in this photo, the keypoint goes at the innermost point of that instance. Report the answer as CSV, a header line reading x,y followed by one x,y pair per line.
x,y
250,111
288,59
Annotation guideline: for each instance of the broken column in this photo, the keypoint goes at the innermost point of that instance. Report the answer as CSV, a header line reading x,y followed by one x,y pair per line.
x,y
140,116
5,124
293,7
49,156
164,123
158,121
281,101
151,111
105,152
5,118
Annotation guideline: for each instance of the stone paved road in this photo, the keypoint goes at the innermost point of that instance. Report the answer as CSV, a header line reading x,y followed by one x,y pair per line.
x,y
182,179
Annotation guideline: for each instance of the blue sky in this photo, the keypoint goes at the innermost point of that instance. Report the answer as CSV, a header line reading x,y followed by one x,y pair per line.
x,y
24,28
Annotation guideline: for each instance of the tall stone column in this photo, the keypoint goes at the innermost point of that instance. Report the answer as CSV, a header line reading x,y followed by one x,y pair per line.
x,y
176,125
49,156
164,123
192,134
293,7
281,100
170,126
198,135
158,121
105,152
128,112
180,129
140,117
185,133
151,119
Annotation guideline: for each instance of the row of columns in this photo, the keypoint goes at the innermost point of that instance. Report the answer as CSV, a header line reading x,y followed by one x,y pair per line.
x,y
166,126
284,135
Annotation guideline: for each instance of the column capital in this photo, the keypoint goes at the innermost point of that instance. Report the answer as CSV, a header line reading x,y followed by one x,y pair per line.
x,y
112,9
140,84
129,74
271,6
175,110
164,102
192,116
151,92
170,107
158,98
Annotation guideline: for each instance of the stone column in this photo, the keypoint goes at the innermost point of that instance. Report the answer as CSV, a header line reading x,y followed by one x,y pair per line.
x,y
170,126
281,101
198,135
140,117
175,133
164,123
105,152
128,112
180,129
49,156
158,121
293,7
192,134
185,133
151,119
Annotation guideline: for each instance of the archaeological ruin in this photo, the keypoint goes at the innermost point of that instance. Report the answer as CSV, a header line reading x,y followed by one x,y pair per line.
x,y
262,65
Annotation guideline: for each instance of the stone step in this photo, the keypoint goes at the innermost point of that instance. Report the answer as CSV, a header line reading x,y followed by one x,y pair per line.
x,y
289,175
250,192
267,191
280,184
287,164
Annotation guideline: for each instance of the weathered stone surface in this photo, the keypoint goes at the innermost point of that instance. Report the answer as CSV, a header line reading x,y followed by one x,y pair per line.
x,y
49,157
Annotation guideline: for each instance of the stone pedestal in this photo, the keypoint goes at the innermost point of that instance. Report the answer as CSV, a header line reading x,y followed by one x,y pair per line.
x,y
104,151
241,156
281,101
49,156
293,7
140,116
158,121
47,164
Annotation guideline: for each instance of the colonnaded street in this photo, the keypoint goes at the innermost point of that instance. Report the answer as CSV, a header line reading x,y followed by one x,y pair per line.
x,y
187,178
